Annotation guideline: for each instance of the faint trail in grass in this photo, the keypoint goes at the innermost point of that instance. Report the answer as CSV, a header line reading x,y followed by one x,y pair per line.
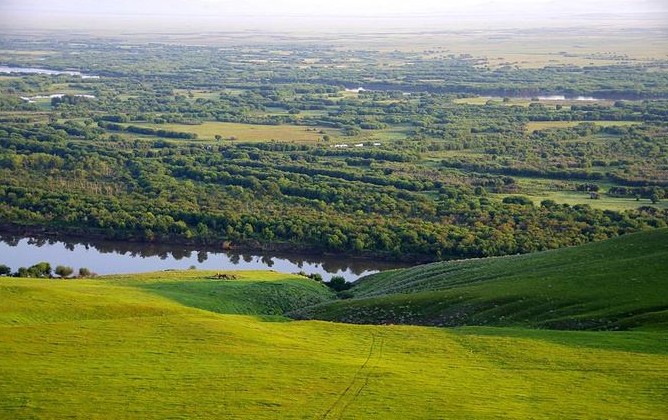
x,y
367,376
359,381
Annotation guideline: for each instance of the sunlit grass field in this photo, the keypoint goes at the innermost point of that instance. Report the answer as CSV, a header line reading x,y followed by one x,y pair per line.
x,y
539,189
617,284
142,347
283,133
249,132
541,125
604,202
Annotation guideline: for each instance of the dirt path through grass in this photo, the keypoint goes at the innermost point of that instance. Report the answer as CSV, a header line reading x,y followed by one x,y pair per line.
x,y
359,382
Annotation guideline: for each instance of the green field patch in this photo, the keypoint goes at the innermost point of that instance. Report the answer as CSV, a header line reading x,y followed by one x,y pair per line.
x,y
305,113
563,192
476,100
235,92
40,116
28,53
271,110
466,153
42,104
603,201
541,125
391,133
125,97
197,94
350,93
249,132
65,88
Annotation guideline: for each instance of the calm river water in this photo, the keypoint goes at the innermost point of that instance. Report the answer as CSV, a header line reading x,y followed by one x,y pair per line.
x,y
32,70
120,257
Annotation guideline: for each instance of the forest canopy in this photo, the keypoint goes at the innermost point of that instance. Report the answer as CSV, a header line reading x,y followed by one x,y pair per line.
x,y
431,157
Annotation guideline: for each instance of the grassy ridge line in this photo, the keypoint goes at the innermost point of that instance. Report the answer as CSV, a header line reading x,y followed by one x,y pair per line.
x,y
142,355
263,293
587,260
37,302
616,284
251,293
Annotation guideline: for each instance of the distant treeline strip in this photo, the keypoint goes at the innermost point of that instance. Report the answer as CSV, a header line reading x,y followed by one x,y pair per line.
x,y
641,192
566,174
147,131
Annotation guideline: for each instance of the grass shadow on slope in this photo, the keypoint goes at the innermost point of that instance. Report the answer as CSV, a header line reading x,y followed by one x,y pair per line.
x,y
269,295
649,342
618,284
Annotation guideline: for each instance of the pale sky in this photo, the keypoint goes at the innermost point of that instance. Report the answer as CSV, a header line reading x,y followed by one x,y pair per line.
x,y
27,12
331,7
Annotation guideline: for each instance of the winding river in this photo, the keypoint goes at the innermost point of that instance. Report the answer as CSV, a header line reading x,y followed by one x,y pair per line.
x,y
33,70
105,257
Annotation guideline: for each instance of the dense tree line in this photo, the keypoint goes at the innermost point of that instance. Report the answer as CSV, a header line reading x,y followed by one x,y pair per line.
x,y
147,131
200,193
43,270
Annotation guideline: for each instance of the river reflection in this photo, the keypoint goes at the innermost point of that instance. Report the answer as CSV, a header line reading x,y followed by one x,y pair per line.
x,y
106,257
32,70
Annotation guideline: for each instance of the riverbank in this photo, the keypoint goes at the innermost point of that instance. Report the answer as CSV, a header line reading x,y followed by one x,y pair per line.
x,y
26,246
248,246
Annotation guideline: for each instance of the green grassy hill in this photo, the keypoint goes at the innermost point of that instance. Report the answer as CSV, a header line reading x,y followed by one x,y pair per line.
x,y
174,345
263,293
616,284
252,293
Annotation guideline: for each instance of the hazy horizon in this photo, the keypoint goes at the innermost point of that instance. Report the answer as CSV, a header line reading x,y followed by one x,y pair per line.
x,y
312,15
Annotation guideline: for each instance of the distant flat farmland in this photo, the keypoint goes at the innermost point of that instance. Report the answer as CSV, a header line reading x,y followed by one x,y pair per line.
x,y
249,132
541,125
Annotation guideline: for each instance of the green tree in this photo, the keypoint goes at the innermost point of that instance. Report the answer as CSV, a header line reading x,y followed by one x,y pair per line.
x,y
64,271
41,269
5,270
656,195
518,199
338,284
